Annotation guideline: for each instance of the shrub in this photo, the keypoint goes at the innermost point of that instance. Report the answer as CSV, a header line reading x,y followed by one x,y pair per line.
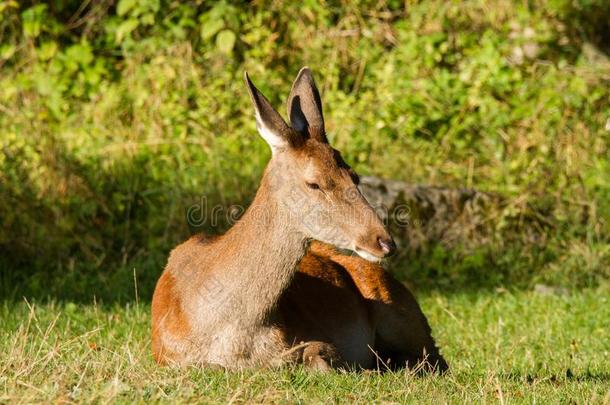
x,y
117,117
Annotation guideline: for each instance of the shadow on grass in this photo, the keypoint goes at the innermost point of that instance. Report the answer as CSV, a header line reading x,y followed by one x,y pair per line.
x,y
105,232
530,378
587,21
133,280
89,227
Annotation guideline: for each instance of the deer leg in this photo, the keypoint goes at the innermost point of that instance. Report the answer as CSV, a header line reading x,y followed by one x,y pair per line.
x,y
321,356
403,335
316,355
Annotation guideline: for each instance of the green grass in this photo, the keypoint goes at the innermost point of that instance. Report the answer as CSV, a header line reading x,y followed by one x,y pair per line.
x,y
503,346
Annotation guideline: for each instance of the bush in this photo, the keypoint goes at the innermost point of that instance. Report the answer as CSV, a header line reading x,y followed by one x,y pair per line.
x,y
117,117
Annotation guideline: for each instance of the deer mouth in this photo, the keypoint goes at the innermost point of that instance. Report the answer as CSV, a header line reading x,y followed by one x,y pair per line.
x,y
367,255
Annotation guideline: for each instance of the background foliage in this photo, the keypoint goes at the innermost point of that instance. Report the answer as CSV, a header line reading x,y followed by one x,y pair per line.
x,y
117,116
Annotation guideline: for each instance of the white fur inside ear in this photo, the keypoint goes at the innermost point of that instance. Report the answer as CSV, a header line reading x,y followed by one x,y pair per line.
x,y
275,141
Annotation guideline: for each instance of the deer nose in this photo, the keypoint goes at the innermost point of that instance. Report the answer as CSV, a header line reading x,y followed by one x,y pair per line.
x,y
387,245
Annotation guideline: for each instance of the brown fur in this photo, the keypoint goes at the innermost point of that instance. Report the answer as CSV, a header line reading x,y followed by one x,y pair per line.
x,y
168,316
330,291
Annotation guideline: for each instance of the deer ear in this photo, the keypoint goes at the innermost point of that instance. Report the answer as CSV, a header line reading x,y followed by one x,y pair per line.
x,y
305,107
269,122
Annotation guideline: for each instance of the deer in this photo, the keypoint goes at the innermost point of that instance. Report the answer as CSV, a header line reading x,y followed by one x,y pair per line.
x,y
298,278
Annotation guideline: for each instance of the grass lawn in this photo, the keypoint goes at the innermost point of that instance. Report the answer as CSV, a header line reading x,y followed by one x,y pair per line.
x,y
502,346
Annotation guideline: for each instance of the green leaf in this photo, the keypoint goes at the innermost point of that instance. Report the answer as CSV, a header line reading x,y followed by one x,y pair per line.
x,y
7,50
148,19
80,53
124,6
225,41
125,28
47,50
32,20
210,28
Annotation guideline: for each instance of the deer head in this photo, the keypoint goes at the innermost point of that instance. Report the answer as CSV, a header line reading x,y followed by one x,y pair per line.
x,y
309,183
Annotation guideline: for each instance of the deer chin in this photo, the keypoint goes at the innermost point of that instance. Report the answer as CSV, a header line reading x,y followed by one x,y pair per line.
x,y
367,256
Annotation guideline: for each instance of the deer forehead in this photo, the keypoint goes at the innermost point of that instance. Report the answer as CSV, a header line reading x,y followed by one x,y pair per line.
x,y
320,163
318,153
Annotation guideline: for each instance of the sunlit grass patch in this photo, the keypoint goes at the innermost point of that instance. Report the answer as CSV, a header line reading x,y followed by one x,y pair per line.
x,y
510,346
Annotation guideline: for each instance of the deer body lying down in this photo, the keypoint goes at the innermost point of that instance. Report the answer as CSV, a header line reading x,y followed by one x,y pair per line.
x,y
259,295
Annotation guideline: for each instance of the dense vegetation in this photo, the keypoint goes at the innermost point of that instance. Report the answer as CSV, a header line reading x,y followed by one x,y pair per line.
x,y
115,117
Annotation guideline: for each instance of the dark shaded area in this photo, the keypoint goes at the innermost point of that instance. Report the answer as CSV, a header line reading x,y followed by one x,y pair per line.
x,y
532,378
588,21
445,238
95,235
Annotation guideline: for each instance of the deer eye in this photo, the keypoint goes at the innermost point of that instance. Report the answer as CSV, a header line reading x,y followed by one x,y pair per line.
x,y
313,186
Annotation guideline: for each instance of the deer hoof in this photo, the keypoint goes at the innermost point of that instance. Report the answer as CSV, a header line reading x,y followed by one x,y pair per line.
x,y
320,356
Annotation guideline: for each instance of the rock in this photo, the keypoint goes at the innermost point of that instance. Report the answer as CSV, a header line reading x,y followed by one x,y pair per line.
x,y
543,289
419,214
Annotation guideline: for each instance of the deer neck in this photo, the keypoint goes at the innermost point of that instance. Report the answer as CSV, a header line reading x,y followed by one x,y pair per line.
x,y
265,250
